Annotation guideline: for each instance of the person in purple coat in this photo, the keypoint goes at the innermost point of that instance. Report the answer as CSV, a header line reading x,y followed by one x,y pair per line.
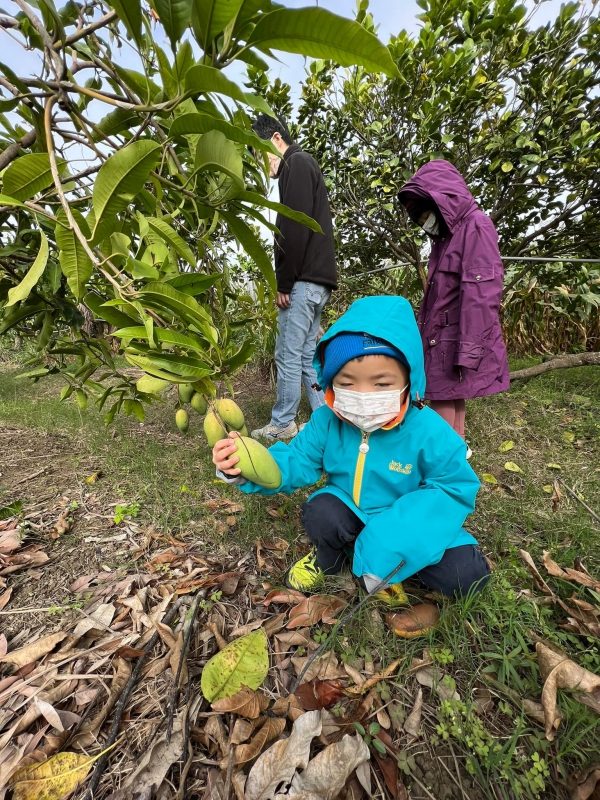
x,y
465,354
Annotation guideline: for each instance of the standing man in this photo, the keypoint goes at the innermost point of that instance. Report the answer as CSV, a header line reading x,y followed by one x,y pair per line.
x,y
306,274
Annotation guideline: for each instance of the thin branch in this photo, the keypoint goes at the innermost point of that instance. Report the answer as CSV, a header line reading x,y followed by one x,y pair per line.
x,y
13,150
81,34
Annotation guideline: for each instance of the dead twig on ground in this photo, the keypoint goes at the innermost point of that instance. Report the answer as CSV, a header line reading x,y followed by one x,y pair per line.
x,y
579,500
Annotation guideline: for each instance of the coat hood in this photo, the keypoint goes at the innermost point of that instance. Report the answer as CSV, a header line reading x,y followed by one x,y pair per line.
x,y
388,318
441,182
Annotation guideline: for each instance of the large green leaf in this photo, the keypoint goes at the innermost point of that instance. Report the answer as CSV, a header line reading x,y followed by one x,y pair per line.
x,y
184,366
175,16
183,305
210,17
130,14
252,245
170,236
111,315
119,181
193,283
208,79
319,33
202,123
115,122
75,263
258,200
22,290
18,314
164,335
28,175
151,369
244,662
214,152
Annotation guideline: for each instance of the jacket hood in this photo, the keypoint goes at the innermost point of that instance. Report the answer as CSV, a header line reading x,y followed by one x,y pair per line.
x,y
441,182
389,318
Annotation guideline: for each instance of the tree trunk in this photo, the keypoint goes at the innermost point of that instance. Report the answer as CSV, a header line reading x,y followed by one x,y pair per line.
x,y
18,342
560,362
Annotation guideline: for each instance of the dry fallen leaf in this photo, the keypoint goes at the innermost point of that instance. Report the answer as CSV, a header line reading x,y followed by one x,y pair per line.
x,y
510,466
327,773
53,779
314,609
412,724
559,672
5,597
276,767
271,729
434,679
325,667
317,694
539,581
586,786
247,703
32,652
290,596
87,736
153,766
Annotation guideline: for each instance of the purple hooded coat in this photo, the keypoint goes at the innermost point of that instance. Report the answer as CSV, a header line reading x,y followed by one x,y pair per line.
x,y
465,354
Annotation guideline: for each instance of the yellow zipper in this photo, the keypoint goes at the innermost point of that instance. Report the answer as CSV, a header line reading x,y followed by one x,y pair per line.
x,y
360,468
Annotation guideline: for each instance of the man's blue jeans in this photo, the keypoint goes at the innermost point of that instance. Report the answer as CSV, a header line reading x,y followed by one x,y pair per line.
x,y
297,331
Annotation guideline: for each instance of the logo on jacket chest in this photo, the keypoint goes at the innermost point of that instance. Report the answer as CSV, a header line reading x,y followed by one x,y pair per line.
x,y
396,466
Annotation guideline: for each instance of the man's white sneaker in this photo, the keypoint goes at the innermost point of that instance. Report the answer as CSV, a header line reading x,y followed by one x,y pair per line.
x,y
469,452
273,433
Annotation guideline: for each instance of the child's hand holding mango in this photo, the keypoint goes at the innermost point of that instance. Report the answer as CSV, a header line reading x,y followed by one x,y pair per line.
x,y
224,455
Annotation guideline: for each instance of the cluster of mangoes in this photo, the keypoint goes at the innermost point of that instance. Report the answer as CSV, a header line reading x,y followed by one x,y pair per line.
x,y
224,417
187,394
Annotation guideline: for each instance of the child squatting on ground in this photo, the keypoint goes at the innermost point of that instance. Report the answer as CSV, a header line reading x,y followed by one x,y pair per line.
x,y
399,487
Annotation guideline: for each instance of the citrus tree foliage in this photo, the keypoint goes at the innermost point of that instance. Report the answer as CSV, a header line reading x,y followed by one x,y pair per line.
x,y
513,105
137,244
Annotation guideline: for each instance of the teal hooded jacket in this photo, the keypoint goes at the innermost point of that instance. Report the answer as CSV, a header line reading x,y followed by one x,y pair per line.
x,y
414,487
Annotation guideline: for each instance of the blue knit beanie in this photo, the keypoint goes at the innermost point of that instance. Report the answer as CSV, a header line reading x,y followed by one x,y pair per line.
x,y
346,346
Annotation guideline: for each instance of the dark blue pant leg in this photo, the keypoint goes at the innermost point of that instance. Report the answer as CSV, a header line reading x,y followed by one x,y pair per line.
x,y
461,569
331,527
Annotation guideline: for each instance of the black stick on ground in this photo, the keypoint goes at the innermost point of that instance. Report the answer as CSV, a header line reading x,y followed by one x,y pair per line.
x,y
341,622
187,637
122,702
579,500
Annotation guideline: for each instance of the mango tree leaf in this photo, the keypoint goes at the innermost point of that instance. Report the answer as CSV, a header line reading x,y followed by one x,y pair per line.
x,y
28,175
208,79
319,33
489,478
257,199
115,122
244,662
512,467
130,14
18,314
22,290
193,283
163,335
215,152
185,366
505,447
147,366
183,305
75,263
119,180
212,16
170,236
243,355
252,245
175,16
111,315
54,778
202,123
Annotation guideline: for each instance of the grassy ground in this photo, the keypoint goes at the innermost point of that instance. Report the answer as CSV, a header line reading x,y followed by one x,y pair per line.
x,y
164,480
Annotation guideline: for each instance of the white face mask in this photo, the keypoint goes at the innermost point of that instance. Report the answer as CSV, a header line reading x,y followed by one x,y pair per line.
x,y
369,411
431,225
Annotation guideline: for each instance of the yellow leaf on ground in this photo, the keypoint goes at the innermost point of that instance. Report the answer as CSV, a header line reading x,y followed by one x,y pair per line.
x,y
547,488
568,437
488,478
512,467
505,447
551,465
244,662
53,779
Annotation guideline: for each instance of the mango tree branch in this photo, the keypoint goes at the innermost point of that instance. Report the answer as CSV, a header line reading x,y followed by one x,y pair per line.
x,y
56,60
560,362
81,34
63,200
13,150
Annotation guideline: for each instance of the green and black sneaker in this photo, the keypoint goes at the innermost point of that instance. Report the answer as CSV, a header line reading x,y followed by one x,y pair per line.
x,y
304,576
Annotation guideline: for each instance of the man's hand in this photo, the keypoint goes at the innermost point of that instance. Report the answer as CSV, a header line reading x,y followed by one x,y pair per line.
x,y
283,301
221,452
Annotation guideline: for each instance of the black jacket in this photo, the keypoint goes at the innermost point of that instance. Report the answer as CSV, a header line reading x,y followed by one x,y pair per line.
x,y
302,254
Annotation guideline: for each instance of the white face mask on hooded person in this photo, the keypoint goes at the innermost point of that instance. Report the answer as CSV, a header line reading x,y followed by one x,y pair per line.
x,y
431,225
369,411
